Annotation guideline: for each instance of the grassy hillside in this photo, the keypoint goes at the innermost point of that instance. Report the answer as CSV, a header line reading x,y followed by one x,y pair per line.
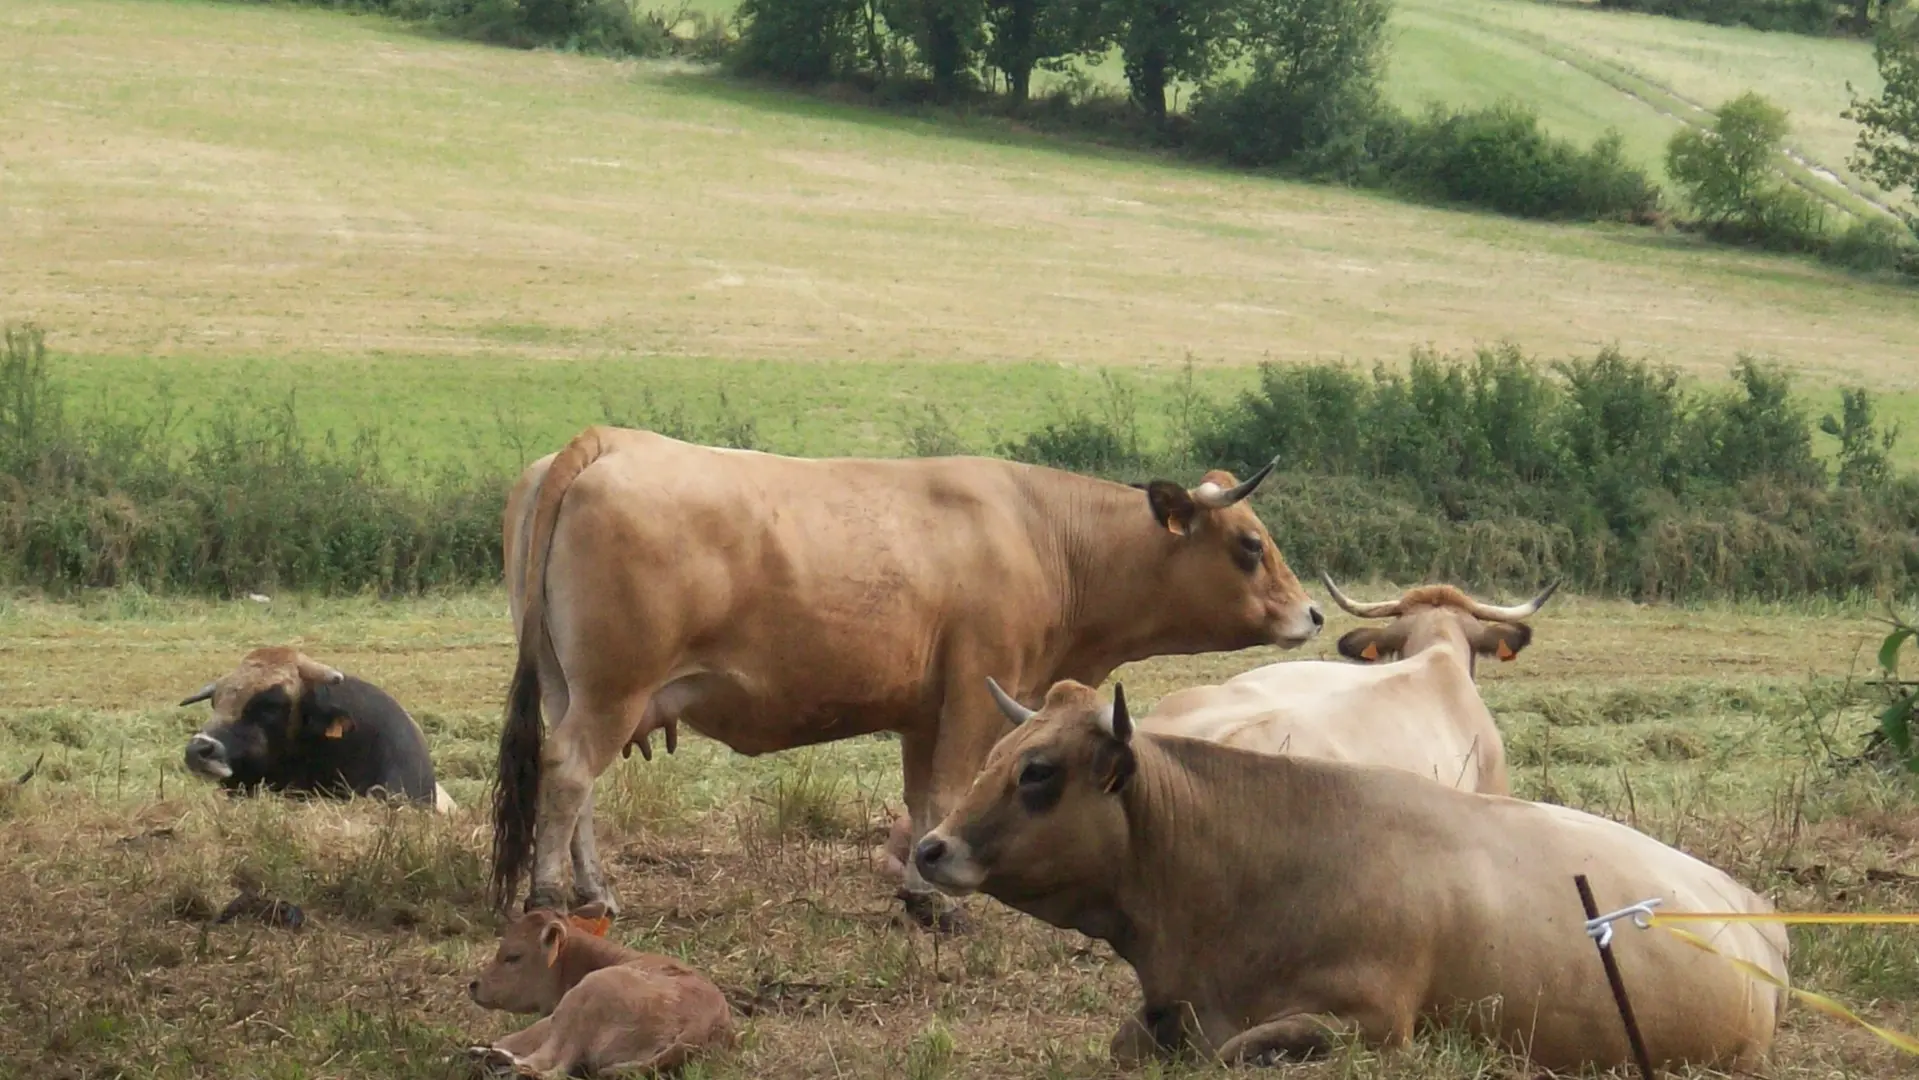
x,y
449,200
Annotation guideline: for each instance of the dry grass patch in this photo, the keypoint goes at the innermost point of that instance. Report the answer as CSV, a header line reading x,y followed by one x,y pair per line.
x,y
756,870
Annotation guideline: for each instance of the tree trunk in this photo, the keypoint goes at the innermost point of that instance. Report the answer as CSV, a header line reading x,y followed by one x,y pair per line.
x,y
943,51
1146,76
1021,27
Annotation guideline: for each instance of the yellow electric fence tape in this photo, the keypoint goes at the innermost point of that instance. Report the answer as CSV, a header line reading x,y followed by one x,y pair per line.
x,y
1818,1001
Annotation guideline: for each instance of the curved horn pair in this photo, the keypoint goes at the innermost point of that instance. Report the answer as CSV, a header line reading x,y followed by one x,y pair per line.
x,y
1489,612
1210,496
205,693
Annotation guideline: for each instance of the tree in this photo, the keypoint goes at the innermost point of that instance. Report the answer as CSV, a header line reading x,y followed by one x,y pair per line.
x,y
1027,33
1315,77
1728,171
1888,148
1164,40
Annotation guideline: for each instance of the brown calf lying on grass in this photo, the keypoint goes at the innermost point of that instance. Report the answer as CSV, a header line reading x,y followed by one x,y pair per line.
x,y
602,1005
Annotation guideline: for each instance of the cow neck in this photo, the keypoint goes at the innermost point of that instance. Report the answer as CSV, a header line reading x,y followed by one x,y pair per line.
x,y
582,954
1436,628
1208,824
1109,551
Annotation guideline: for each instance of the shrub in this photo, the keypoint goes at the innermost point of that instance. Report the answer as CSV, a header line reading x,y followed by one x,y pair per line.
x,y
1501,158
806,41
1788,16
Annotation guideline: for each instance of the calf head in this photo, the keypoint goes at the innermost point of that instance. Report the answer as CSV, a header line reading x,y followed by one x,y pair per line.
x,y
1426,615
525,975
1226,569
1043,826
262,710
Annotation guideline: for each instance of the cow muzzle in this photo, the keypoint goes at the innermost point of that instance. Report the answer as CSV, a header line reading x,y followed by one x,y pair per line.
x,y
947,864
206,757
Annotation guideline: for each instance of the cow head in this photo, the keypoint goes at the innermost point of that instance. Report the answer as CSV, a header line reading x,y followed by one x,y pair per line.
x,y
1426,615
275,700
1227,565
1043,819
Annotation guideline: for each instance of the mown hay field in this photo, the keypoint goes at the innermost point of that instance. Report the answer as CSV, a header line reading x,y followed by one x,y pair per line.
x,y
1717,729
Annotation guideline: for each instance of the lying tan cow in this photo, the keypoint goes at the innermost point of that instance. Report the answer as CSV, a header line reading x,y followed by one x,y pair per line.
x,y
1264,900
774,602
602,1005
1420,712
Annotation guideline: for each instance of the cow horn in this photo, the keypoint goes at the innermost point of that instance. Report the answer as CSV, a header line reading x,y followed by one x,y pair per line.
x,y
205,693
1385,609
1212,498
1114,718
31,769
1516,612
313,671
1013,710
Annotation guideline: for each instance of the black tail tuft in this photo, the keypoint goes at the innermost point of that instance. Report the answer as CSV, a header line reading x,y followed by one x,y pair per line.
x,y
516,785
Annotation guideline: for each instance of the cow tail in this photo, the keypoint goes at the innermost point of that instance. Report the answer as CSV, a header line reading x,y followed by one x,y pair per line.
x,y
516,790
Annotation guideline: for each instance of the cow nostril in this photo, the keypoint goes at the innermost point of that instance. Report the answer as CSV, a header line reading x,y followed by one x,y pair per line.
x,y
1318,619
473,987
931,851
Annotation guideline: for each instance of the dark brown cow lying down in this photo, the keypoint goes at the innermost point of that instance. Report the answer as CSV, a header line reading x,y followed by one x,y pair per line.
x,y
1263,900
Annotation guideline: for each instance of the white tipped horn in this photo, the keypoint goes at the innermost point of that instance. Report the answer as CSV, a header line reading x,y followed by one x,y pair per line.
x,y
1382,610
205,693
1212,497
1012,710
1517,611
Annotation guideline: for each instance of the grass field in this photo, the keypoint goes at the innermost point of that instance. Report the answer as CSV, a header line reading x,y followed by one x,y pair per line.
x,y
1707,727
478,251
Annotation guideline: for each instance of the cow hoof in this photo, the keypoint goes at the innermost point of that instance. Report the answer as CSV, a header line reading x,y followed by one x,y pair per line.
x,y
932,911
604,900
549,899
493,1061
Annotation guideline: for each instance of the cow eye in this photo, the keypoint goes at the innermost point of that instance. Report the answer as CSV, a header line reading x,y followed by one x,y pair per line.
x,y
510,958
1037,772
1251,547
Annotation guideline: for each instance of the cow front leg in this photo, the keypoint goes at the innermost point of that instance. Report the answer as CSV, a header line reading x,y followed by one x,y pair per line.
x,y
1302,1035
925,905
589,880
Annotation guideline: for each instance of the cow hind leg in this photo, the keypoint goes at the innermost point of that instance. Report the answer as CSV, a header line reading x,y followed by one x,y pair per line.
x,y
589,882
580,747
1301,1035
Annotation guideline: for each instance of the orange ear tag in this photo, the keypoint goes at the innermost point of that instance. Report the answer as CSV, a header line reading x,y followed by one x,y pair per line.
x,y
1505,650
1370,652
596,927
339,727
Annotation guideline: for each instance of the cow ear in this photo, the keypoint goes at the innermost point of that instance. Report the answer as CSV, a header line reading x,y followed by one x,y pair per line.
x,y
1173,506
1504,640
591,919
320,716
1369,644
551,937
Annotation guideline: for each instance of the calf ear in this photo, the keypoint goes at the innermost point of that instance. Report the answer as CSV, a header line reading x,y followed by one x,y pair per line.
x,y
1504,640
591,919
1173,506
1368,644
551,937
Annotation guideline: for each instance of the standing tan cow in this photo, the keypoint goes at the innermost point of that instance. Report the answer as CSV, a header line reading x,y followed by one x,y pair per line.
x,y
1265,901
1420,712
773,602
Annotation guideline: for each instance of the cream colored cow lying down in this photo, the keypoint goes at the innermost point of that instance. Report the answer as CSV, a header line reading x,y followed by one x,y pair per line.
x,y
1421,713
